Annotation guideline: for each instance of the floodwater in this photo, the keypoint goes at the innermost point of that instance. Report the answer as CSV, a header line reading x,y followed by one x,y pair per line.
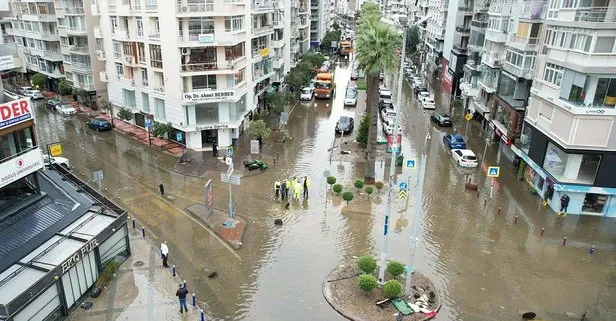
x,y
486,267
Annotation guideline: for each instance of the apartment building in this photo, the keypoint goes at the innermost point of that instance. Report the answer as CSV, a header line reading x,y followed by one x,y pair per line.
x,y
395,8
207,76
435,35
568,140
320,20
458,34
57,232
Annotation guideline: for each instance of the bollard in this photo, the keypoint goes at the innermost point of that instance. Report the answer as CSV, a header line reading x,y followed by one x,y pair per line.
x,y
515,220
173,270
499,209
564,241
143,231
592,249
202,315
194,300
134,225
478,193
542,230
485,201
274,161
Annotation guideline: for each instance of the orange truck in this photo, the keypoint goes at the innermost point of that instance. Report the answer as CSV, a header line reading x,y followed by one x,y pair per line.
x,y
346,47
324,85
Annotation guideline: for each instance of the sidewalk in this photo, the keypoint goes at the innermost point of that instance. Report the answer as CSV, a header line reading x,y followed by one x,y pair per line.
x,y
141,289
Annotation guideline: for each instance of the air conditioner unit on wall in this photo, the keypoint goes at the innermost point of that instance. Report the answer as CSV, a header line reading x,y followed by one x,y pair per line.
x,y
184,9
185,51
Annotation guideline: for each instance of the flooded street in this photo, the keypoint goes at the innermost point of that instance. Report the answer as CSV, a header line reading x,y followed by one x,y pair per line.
x,y
486,267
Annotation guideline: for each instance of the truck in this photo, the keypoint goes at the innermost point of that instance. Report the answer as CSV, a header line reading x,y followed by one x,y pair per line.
x,y
346,47
325,86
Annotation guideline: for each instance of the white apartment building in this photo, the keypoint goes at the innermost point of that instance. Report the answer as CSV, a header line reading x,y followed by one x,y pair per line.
x,y
394,8
435,34
202,65
320,20
568,140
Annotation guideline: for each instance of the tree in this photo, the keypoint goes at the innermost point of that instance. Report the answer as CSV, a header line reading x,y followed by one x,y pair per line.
x,y
161,129
337,188
392,289
376,51
125,114
359,184
298,77
314,59
278,100
412,40
335,26
105,105
379,186
332,35
366,263
367,282
457,103
395,268
258,129
64,88
38,81
348,196
369,190
362,132
331,180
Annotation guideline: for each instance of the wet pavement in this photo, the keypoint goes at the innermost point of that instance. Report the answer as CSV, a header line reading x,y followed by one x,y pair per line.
x,y
487,267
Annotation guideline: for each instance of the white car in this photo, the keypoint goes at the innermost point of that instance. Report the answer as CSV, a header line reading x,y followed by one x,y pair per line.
x,y
464,157
422,95
23,89
428,103
64,162
417,79
66,109
306,94
34,94
384,94
350,99
388,128
388,114
417,84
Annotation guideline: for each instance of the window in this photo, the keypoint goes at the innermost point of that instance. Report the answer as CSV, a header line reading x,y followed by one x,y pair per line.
x,y
16,142
571,168
553,9
99,44
159,105
144,77
18,191
235,52
117,50
114,25
199,26
145,102
139,27
156,58
234,23
141,53
119,70
553,74
204,82
605,44
594,203
525,138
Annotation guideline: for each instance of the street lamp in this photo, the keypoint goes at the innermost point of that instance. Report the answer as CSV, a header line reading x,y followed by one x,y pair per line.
x,y
392,165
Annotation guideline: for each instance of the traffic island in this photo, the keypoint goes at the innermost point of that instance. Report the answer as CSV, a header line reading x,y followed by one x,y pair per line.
x,y
342,292
230,230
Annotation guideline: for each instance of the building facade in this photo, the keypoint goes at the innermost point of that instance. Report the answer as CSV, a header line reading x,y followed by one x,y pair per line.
x,y
320,20
568,141
435,35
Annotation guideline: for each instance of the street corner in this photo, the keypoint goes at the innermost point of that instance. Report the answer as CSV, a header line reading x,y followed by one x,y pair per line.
x,y
231,230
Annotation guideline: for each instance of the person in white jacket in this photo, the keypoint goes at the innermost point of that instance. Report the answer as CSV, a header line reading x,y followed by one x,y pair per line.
x,y
164,253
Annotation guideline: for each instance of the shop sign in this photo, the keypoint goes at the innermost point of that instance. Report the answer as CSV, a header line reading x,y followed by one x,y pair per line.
x,y
209,96
20,166
15,112
71,261
595,111
502,136
7,62
206,38
55,149
208,127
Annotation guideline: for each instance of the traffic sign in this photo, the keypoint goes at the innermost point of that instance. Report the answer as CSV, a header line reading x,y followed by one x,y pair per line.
x,y
229,151
403,194
493,171
468,117
410,163
148,124
403,186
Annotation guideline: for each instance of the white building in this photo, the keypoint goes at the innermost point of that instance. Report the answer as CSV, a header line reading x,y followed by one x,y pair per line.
x,y
435,34
320,19
202,66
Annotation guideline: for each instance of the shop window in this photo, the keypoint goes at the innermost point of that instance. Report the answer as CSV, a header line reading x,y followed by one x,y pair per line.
x,y
571,168
594,203
525,139
17,192
16,142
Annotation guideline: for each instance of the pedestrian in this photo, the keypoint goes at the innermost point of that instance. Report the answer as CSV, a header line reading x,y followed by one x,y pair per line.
x,y
277,188
181,294
283,189
296,191
215,150
161,188
289,188
306,186
164,253
564,203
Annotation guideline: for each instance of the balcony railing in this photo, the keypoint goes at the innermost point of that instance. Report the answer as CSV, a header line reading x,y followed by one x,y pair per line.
x,y
80,49
258,5
533,10
76,29
463,29
206,66
596,14
479,24
189,8
526,41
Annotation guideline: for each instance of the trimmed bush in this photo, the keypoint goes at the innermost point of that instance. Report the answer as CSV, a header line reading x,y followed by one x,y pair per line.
x,y
366,263
359,184
392,289
331,180
369,190
337,188
348,196
395,268
379,186
367,282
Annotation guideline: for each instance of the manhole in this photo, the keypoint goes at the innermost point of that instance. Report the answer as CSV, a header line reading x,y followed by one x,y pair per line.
x,y
139,264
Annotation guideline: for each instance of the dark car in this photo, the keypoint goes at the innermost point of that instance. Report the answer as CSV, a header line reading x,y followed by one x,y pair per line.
x,y
441,119
345,125
100,125
454,141
386,103
419,89
53,103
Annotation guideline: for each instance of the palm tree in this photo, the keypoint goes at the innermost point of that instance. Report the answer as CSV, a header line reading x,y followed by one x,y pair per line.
x,y
376,50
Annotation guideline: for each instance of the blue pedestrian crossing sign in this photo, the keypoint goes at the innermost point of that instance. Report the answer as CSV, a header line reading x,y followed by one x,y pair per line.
x,y
409,163
403,186
229,151
493,171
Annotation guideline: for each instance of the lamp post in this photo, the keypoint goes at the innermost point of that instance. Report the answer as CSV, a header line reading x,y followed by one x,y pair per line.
x,y
392,165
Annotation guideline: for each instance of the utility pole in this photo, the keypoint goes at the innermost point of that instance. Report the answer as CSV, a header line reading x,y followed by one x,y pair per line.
x,y
392,165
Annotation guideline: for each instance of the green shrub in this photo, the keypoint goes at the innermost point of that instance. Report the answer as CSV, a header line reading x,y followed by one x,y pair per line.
x,y
348,196
337,188
362,132
379,186
395,268
38,81
369,190
125,114
367,282
366,263
359,184
392,289
331,180
107,274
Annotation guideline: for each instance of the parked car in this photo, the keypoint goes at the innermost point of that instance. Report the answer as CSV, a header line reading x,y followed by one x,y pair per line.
x,y
387,114
381,75
100,125
454,141
419,89
306,94
66,109
345,125
441,119
64,162
52,103
350,99
417,84
464,157
423,94
33,94
417,79
428,103
23,89
354,75
388,128
386,103
384,94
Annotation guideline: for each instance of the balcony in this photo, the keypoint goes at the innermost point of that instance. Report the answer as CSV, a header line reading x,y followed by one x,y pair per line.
x,y
215,67
74,11
277,43
39,17
219,37
52,55
97,32
159,90
121,34
480,105
260,6
492,59
589,14
188,9
263,30
465,11
278,24
80,50
84,68
584,62
496,35
524,44
76,31
461,49
500,9
83,85
278,62
464,30
126,82
479,24
303,10
154,36
100,55
520,72
130,61
533,10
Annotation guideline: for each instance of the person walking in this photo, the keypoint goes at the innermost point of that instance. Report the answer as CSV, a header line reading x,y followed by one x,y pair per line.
x,y
164,253
296,190
283,189
277,188
181,294
306,186
564,203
